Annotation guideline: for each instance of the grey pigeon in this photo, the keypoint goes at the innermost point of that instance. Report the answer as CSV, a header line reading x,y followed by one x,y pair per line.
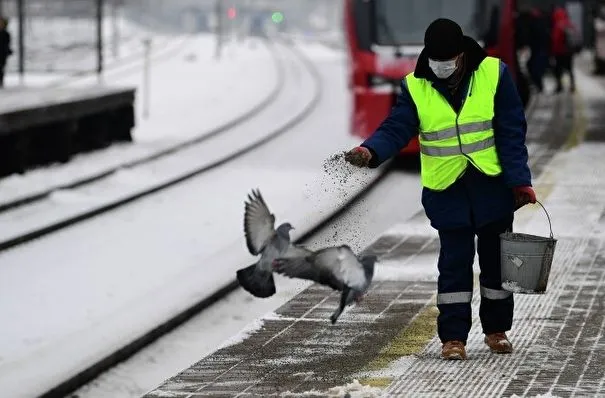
x,y
337,267
262,238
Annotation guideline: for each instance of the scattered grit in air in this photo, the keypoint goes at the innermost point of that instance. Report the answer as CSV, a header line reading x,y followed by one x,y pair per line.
x,y
339,170
342,178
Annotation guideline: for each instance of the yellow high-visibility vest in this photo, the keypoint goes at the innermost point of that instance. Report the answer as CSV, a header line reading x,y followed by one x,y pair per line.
x,y
449,141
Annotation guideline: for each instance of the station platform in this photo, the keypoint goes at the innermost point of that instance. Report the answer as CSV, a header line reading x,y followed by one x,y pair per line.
x,y
46,125
387,345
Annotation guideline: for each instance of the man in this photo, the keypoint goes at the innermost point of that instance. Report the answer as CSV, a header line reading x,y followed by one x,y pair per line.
x,y
472,127
538,40
5,47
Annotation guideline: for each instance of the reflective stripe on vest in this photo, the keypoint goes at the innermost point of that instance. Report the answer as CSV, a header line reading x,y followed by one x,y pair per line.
x,y
448,141
452,132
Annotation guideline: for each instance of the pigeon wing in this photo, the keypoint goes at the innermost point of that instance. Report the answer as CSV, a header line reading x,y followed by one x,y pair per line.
x,y
259,223
343,264
305,267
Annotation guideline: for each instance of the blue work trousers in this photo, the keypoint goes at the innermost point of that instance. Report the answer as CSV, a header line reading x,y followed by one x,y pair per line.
x,y
455,282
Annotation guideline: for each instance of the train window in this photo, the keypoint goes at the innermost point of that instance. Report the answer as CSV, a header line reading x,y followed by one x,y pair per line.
x,y
362,11
404,22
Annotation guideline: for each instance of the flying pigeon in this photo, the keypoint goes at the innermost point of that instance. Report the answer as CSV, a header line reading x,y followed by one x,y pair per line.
x,y
262,238
337,267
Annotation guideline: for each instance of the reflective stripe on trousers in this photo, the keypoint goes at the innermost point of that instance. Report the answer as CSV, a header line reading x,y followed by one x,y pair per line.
x,y
454,298
455,150
466,297
494,294
452,132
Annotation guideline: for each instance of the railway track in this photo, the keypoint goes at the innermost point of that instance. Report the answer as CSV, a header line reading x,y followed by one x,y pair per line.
x,y
35,216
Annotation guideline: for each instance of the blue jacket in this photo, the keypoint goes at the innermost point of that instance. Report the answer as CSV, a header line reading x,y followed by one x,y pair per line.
x,y
475,199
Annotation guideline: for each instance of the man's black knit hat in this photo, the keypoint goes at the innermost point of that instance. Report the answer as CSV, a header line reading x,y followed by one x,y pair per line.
x,y
443,39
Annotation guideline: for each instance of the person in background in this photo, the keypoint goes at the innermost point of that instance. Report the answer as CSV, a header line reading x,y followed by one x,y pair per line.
x,y
563,46
471,125
5,47
539,46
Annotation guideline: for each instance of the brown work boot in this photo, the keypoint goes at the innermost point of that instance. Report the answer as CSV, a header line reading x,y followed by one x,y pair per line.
x,y
498,343
453,350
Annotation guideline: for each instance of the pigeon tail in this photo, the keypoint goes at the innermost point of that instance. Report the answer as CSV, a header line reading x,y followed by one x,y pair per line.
x,y
258,283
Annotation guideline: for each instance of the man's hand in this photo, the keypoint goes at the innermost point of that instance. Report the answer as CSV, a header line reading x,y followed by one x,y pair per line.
x,y
359,156
523,196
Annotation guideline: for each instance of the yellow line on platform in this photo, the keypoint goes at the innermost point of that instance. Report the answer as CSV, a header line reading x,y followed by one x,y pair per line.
x,y
578,129
412,340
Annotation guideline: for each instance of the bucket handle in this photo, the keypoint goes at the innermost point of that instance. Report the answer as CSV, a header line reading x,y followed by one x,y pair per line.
x,y
547,216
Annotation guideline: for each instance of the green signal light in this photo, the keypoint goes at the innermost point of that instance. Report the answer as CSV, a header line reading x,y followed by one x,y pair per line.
x,y
277,17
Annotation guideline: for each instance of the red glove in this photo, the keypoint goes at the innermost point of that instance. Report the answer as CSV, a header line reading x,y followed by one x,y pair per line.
x,y
523,196
359,156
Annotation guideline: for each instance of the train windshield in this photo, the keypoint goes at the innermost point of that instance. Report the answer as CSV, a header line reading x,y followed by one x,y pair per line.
x,y
400,22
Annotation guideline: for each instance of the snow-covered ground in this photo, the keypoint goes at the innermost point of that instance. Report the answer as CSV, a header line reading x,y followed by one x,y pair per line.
x,y
77,295
191,87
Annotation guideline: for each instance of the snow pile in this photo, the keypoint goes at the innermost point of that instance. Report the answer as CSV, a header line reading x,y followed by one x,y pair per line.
x,y
514,287
355,389
351,390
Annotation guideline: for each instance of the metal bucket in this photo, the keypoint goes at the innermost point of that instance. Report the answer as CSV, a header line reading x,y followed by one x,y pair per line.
x,y
526,260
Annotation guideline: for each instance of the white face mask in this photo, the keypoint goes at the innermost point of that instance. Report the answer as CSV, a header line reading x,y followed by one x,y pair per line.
x,y
443,69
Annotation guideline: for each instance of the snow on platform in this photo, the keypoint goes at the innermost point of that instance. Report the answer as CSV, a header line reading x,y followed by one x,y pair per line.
x,y
387,345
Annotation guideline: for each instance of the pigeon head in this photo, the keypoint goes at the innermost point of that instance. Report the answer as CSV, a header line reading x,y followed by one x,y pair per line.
x,y
284,230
